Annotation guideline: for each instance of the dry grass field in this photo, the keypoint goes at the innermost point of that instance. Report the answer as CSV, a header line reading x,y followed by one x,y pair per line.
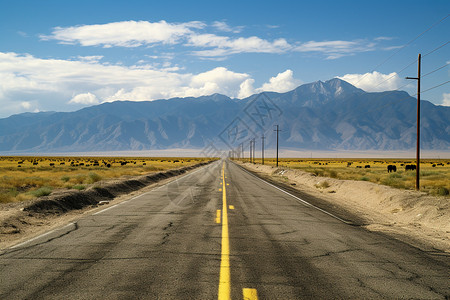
x,y
434,174
23,178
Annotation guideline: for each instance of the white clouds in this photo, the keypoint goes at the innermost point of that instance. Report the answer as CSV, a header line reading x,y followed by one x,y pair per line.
x,y
246,88
226,46
336,49
26,105
446,99
281,83
123,34
195,34
92,58
222,26
86,98
30,83
375,81
228,81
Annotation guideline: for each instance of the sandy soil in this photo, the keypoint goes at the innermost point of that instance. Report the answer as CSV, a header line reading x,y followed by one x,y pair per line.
x,y
23,220
411,216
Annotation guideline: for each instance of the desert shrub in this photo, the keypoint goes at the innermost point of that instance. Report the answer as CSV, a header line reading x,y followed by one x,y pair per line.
x,y
332,173
318,172
79,187
8,195
79,178
364,178
322,185
65,178
395,175
442,191
94,177
393,182
41,192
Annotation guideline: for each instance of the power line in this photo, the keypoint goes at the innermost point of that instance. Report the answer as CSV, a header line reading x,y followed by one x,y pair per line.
x,y
435,49
410,64
436,86
435,70
404,46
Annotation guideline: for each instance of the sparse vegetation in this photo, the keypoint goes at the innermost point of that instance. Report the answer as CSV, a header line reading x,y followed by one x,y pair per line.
x,y
435,173
43,191
78,187
24,178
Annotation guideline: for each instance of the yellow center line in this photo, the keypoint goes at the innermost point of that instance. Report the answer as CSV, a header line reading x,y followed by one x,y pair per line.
x,y
224,280
218,213
250,294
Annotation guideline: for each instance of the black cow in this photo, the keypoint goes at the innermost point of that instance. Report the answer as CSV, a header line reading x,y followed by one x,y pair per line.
x,y
392,168
410,167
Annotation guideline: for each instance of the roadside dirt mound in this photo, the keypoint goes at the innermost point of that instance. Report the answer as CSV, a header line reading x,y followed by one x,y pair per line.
x,y
413,216
64,201
24,218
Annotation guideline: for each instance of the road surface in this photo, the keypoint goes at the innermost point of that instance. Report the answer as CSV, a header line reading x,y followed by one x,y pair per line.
x,y
209,236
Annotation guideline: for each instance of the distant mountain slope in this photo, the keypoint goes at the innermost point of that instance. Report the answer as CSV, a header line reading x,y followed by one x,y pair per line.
x,y
331,115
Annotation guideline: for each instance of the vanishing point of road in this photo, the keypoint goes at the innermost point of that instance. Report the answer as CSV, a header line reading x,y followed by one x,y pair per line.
x,y
219,232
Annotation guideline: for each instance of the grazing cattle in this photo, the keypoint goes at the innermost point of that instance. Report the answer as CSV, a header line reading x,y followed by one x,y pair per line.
x,y
367,166
410,167
392,168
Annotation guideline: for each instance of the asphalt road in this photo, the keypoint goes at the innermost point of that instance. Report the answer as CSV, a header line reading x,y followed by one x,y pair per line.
x,y
171,243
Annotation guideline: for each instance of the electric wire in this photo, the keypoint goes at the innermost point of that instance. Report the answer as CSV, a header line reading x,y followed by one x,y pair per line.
x,y
404,46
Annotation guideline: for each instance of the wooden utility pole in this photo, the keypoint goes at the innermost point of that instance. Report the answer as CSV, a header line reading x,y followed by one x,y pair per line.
x,y
254,149
418,123
277,130
262,149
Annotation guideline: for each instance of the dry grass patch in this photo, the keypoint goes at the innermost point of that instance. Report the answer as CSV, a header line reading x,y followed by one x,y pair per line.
x,y
435,174
24,178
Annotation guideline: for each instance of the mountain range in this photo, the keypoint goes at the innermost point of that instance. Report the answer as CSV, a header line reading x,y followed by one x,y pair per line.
x,y
331,115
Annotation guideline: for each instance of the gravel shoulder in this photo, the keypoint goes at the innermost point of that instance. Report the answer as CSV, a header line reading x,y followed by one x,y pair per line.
x,y
413,217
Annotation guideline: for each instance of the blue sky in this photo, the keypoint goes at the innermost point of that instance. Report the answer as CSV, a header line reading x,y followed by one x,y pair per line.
x,y
65,55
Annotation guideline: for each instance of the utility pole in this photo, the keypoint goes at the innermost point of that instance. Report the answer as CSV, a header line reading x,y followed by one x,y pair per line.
x,y
262,149
418,123
254,148
250,154
242,150
277,130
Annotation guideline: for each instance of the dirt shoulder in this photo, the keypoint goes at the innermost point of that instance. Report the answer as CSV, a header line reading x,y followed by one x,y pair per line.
x,y
411,216
23,220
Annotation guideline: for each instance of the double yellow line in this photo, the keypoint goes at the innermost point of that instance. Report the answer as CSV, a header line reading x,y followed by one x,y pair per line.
x,y
225,277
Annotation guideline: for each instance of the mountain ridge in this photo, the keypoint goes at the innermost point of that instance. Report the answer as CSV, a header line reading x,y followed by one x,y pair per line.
x,y
330,115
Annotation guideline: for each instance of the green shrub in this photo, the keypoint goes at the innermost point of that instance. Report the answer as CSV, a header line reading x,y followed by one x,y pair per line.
x,y
364,178
94,177
79,187
333,173
442,191
65,178
80,178
43,191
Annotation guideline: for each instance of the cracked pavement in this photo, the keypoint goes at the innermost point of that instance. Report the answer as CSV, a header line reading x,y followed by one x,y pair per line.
x,y
165,244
